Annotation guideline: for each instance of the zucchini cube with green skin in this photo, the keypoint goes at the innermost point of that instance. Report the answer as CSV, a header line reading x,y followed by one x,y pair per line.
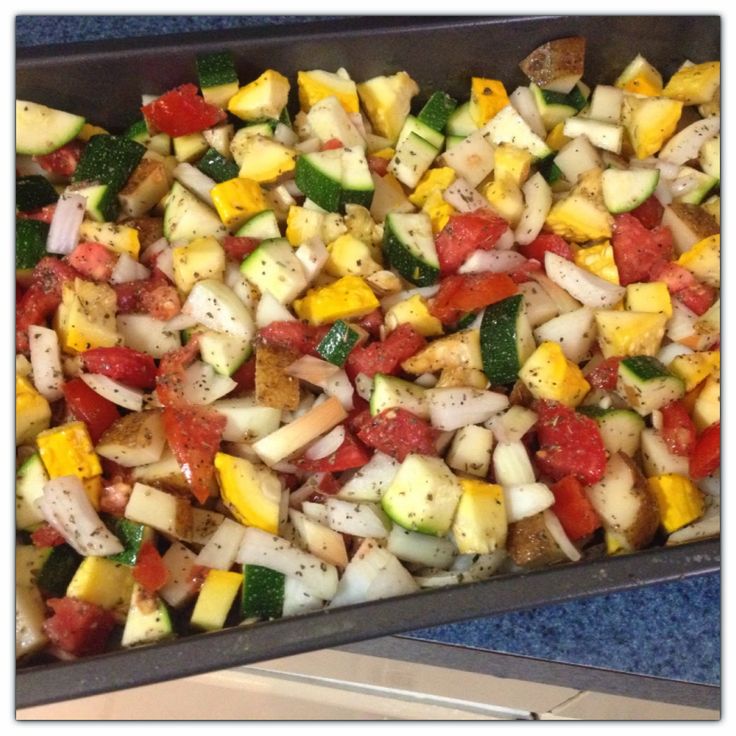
x,y
187,218
409,247
336,345
148,619
423,496
437,110
132,535
109,159
218,79
263,592
40,129
58,570
34,192
30,243
274,267
29,482
620,428
217,167
646,384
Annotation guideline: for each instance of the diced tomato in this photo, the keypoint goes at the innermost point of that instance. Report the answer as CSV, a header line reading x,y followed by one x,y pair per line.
x,y
114,498
605,375
372,322
194,434
460,294
296,336
705,457
181,111
63,161
155,296
378,165
87,406
131,367
331,144
523,272
570,443
638,251
398,432
649,213
237,248
572,507
678,429
197,576
93,260
547,242
46,536
351,454
44,214
78,627
698,298
245,376
675,276
385,356
150,570
358,419
464,233
172,373
328,484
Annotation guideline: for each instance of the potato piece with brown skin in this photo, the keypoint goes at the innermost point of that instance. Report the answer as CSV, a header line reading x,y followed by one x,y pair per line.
x,y
150,229
135,439
556,65
530,544
274,387
689,223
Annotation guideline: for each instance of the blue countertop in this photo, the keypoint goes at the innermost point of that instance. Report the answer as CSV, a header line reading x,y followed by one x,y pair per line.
x,y
669,630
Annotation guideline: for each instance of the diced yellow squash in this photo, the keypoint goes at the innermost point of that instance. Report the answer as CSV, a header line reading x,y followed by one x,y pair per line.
x,y
696,84
653,296
505,198
220,94
414,311
680,501
89,130
265,159
712,206
614,543
512,162
556,139
103,582
264,97
303,224
487,97
387,102
32,411
438,210
388,153
703,260
93,489
579,219
215,599
86,317
236,200
202,258
629,333
349,255
252,493
68,450
346,298
707,407
598,259
480,525
434,180
548,374
459,350
189,147
694,368
640,77
316,84
649,122
119,238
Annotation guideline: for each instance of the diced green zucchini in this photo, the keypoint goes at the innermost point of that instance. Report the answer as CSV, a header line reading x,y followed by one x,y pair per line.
x,y
30,243
109,159
356,182
262,226
218,79
427,132
186,217
225,353
550,170
273,267
263,592
319,177
701,184
33,192
336,345
460,122
507,126
607,136
29,560
620,428
132,535
29,482
646,384
626,189
437,110
710,157
58,570
159,143
390,392
40,130
506,339
217,167
408,245
101,202
148,619
554,107
413,156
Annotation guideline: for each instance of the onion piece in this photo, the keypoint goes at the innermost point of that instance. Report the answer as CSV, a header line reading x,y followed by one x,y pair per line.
x,y
181,321
526,499
492,261
364,386
312,370
400,296
326,445
584,286
452,408
128,269
285,135
463,197
48,376
153,250
220,551
339,386
202,385
165,263
64,231
195,181
118,393
65,505
558,534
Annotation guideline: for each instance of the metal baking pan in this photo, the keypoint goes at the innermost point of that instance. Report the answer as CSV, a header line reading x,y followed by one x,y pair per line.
x,y
105,82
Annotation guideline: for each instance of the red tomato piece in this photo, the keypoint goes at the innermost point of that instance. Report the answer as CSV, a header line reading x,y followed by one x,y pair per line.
x,y
378,165
705,457
328,484
87,406
372,322
44,214
351,454
398,433
63,161
605,375
576,514
181,111
194,434
131,367
460,294
114,497
570,443
150,570
698,298
296,336
523,272
638,251
46,536
155,296
547,242
238,248
464,233
331,144
245,376
172,372
649,213
385,356
78,627
93,261
678,429
675,276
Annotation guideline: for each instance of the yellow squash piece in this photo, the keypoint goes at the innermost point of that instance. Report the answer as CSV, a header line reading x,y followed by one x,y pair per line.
x,y
68,450
438,210
349,255
640,78
252,493
414,311
707,407
487,97
622,333
598,259
653,296
203,258
696,84
680,501
215,599
236,200
119,238
480,525
32,411
103,582
315,85
434,180
86,317
703,260
694,368
303,224
265,159
387,102
513,162
505,198
556,139
650,122
265,97
548,374
346,298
